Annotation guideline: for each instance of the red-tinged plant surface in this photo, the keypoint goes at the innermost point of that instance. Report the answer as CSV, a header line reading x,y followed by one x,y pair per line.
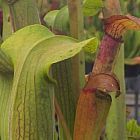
x,y
31,116
94,102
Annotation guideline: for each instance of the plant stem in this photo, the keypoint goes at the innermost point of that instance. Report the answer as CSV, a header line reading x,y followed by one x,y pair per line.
x,y
95,100
43,8
116,121
76,18
62,120
77,31
105,58
7,30
111,8
23,13
70,73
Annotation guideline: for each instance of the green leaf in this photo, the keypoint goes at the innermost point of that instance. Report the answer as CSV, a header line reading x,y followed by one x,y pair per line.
x,y
0,3
23,40
23,13
58,20
133,129
132,51
32,50
132,47
6,81
19,43
50,18
92,7
7,29
62,20
5,64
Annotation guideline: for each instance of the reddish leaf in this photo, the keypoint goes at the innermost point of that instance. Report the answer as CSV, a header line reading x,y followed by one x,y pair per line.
x,y
118,24
91,114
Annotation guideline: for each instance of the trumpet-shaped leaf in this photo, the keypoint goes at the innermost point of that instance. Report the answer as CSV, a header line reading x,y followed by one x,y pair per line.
x,y
118,24
32,50
50,18
58,20
62,20
88,104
